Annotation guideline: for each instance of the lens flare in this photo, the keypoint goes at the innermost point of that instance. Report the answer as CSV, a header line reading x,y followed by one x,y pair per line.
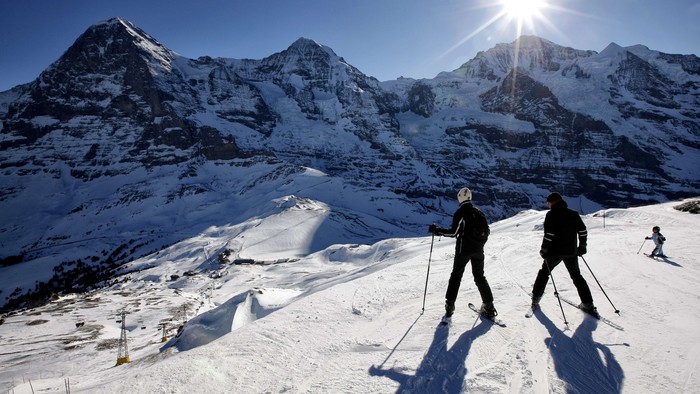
x,y
513,13
523,11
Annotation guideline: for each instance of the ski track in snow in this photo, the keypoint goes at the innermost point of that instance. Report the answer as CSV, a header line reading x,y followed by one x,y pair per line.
x,y
349,319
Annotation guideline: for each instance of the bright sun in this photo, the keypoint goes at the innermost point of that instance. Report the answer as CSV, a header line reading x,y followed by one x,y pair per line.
x,y
522,10
513,16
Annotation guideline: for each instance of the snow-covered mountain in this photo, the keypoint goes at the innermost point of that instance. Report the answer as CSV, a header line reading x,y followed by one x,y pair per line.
x,y
122,147
350,318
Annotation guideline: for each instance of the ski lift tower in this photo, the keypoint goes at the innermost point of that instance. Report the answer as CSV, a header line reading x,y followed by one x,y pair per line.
x,y
123,356
165,335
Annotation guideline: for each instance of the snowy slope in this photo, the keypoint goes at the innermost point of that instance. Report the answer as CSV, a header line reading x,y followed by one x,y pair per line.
x,y
122,147
349,318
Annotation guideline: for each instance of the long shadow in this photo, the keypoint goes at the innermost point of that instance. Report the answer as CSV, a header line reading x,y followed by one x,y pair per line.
x,y
665,260
441,370
400,341
671,262
583,364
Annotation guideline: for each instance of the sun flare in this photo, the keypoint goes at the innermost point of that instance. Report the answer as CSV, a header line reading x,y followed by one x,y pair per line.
x,y
513,18
522,10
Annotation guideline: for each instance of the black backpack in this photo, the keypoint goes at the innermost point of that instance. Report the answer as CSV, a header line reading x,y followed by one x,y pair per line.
x,y
662,239
480,227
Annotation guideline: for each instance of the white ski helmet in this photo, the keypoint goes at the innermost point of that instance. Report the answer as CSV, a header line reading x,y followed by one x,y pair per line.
x,y
464,195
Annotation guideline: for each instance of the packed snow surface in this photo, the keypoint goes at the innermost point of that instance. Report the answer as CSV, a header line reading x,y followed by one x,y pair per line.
x,y
350,318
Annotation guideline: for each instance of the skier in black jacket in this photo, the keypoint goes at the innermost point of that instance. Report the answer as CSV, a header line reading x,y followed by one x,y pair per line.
x,y
561,228
470,227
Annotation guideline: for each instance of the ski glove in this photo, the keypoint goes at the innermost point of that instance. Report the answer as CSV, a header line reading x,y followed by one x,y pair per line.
x,y
581,250
436,230
543,253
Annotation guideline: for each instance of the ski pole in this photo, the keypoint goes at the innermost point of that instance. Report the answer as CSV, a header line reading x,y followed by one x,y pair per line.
x,y
430,257
601,287
640,248
556,293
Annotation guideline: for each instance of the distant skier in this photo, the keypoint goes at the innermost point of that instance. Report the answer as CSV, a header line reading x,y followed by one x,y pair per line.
x,y
659,240
561,228
470,227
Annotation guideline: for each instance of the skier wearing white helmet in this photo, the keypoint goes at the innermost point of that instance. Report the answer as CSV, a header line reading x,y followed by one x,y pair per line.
x,y
470,228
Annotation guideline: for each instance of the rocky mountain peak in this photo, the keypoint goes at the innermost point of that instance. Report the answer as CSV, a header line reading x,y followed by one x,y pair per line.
x,y
307,65
613,50
110,61
116,37
114,49
304,57
305,45
531,42
527,52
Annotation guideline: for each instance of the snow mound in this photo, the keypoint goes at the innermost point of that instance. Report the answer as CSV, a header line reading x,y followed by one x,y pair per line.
x,y
238,311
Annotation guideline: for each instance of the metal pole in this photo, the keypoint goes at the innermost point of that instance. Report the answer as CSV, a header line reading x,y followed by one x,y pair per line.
x,y
640,248
430,257
556,293
601,287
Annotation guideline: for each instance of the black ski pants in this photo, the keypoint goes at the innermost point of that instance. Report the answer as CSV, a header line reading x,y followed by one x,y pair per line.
x,y
460,263
571,263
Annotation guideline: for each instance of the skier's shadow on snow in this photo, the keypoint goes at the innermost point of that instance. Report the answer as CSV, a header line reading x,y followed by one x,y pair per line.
x,y
442,369
670,262
585,365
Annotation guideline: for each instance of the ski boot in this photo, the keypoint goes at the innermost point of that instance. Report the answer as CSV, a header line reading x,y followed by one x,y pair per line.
x,y
449,308
488,310
590,309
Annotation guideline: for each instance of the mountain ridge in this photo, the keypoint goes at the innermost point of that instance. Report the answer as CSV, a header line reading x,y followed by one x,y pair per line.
x,y
121,138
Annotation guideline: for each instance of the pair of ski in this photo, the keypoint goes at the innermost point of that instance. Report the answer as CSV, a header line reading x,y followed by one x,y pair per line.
x,y
655,256
612,324
447,320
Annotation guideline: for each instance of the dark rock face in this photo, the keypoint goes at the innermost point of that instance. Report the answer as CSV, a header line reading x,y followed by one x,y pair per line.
x,y
645,82
421,99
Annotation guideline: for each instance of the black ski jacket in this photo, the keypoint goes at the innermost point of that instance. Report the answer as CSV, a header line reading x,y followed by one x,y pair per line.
x,y
561,228
462,224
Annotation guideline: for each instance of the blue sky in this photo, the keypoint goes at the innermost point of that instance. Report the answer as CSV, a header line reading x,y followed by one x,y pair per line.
x,y
383,38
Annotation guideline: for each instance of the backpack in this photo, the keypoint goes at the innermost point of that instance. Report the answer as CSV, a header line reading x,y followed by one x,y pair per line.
x,y
480,227
661,238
